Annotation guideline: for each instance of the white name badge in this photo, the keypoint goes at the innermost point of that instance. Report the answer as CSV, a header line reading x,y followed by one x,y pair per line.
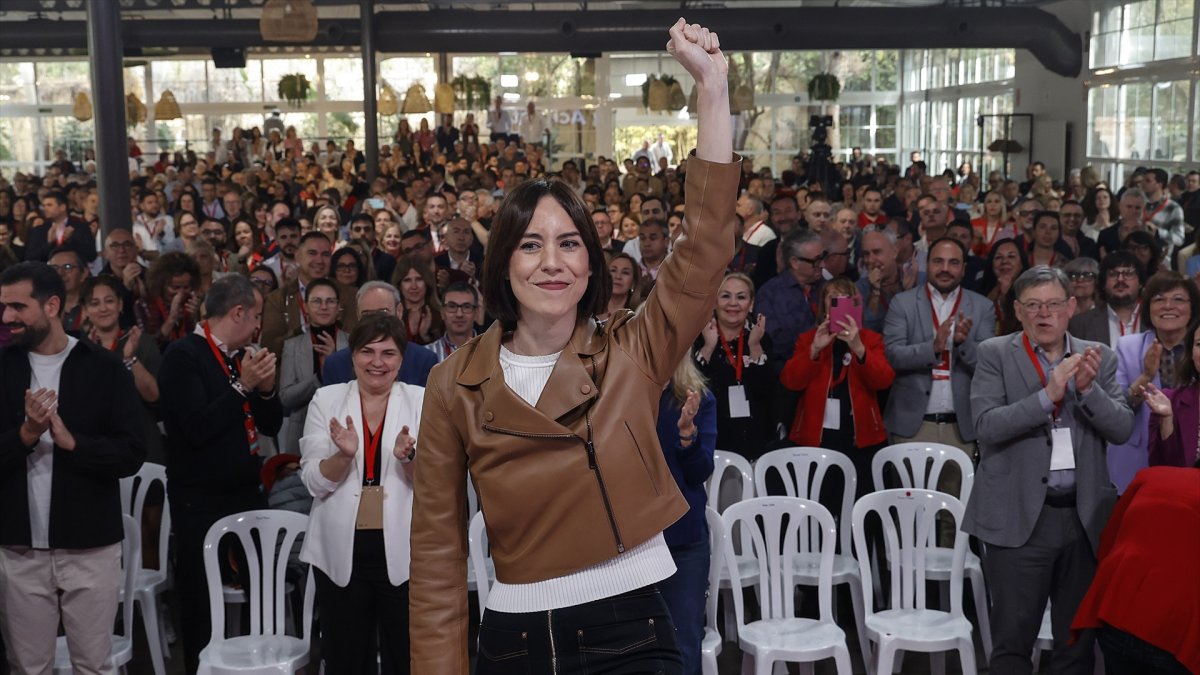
x,y
1062,452
738,405
833,414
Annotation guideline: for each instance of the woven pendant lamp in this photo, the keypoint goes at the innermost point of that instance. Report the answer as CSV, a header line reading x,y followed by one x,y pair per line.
x,y
288,21
387,101
135,110
415,101
82,110
167,108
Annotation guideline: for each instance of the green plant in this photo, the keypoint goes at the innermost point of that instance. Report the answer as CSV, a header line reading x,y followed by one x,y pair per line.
x,y
474,92
824,87
294,88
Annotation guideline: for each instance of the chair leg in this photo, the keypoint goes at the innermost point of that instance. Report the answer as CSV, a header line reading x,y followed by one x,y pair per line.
x,y
841,658
708,663
886,656
966,655
152,625
899,662
937,663
730,615
979,591
747,664
806,668
856,599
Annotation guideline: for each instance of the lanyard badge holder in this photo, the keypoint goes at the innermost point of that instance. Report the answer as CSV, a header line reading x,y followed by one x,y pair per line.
x,y
370,503
1062,448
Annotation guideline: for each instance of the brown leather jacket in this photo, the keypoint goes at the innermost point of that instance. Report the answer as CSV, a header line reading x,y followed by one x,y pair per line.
x,y
580,478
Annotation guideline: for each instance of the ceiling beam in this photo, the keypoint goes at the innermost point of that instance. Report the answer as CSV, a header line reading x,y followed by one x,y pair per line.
x,y
1051,42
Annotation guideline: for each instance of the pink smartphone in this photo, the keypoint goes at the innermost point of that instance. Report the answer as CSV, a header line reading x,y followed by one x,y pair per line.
x,y
842,308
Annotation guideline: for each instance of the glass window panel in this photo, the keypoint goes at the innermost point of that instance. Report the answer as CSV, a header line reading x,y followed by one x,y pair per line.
x,y
346,125
275,69
753,130
854,116
1173,39
885,137
68,133
886,65
1139,14
135,82
344,79
230,85
18,142
185,79
1137,45
1105,49
937,76
953,67
1134,113
17,83
791,128
854,68
1170,121
1106,20
57,81
1170,10
1102,122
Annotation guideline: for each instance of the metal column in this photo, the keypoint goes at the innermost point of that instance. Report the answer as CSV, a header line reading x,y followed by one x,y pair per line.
x,y
370,106
108,102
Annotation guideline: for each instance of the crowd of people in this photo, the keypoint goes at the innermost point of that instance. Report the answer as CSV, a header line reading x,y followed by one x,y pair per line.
x,y
269,301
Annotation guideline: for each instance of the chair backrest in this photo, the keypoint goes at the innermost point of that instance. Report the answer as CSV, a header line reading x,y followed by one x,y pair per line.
x,y
477,545
131,561
920,464
729,462
267,538
133,502
908,520
716,544
774,530
803,470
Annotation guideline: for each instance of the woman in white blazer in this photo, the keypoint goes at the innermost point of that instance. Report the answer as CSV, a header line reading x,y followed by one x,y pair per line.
x,y
303,356
356,460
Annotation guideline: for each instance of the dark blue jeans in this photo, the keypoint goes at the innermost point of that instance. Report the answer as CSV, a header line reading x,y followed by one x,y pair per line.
x,y
685,593
1127,654
622,635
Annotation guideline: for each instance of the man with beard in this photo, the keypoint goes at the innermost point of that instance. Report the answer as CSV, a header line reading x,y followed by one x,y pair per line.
x,y
60,229
213,231
231,204
1071,215
881,282
65,448
120,260
930,335
287,238
785,217
1163,216
1121,279
436,215
283,314
72,271
1131,208
460,303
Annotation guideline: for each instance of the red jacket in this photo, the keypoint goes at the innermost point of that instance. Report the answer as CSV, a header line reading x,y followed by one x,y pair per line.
x,y
874,374
1146,582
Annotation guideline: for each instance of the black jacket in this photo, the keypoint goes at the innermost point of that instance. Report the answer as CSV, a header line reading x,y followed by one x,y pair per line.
x,y
208,456
102,410
82,241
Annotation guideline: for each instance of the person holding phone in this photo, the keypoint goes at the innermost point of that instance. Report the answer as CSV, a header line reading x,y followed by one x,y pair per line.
x,y
840,368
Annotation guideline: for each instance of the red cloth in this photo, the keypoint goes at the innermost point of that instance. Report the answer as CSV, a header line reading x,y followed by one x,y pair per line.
x,y
803,374
1148,579
864,220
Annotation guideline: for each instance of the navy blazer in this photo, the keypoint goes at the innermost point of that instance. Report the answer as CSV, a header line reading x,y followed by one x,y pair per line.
x,y
418,361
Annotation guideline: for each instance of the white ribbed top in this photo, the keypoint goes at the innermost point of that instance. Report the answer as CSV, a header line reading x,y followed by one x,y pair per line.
x,y
642,565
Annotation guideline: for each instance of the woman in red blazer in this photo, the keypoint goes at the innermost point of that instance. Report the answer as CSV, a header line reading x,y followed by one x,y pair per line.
x,y
840,369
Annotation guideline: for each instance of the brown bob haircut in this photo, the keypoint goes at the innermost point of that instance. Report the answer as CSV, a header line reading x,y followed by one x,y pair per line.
x,y
1168,281
506,232
375,327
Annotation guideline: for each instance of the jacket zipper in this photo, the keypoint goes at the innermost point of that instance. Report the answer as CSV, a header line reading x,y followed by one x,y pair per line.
x,y
553,650
591,455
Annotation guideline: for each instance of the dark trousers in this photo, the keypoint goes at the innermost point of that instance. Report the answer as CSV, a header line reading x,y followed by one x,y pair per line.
x,y
191,519
1127,654
684,594
1056,564
626,634
366,616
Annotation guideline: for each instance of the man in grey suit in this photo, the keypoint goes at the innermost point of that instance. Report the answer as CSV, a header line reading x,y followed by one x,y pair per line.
x,y
1045,405
1120,283
930,335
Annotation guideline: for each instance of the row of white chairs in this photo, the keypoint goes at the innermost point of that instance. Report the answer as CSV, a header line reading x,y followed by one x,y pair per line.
x,y
804,470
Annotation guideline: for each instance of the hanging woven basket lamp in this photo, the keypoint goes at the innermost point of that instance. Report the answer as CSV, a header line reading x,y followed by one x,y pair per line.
x,y
288,21
167,107
82,110
135,110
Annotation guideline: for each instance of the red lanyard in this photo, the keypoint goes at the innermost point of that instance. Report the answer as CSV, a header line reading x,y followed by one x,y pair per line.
x,y
1037,363
116,341
811,303
371,440
251,429
933,311
741,261
737,365
1162,205
1132,325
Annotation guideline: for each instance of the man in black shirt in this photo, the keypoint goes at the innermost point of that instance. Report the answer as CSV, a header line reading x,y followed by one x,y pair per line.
x,y
217,398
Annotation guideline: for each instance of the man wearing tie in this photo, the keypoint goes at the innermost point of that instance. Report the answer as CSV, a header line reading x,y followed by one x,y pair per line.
x,y
1045,405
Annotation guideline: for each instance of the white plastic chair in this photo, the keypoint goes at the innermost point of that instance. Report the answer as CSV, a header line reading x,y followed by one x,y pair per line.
x,y
730,462
710,645
908,518
777,530
1045,640
481,566
804,470
268,648
920,465
151,583
122,645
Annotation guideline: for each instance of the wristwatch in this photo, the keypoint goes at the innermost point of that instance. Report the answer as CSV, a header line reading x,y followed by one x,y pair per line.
x,y
129,363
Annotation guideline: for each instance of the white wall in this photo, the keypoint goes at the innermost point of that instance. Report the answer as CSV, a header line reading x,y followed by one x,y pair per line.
x,y
1053,99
